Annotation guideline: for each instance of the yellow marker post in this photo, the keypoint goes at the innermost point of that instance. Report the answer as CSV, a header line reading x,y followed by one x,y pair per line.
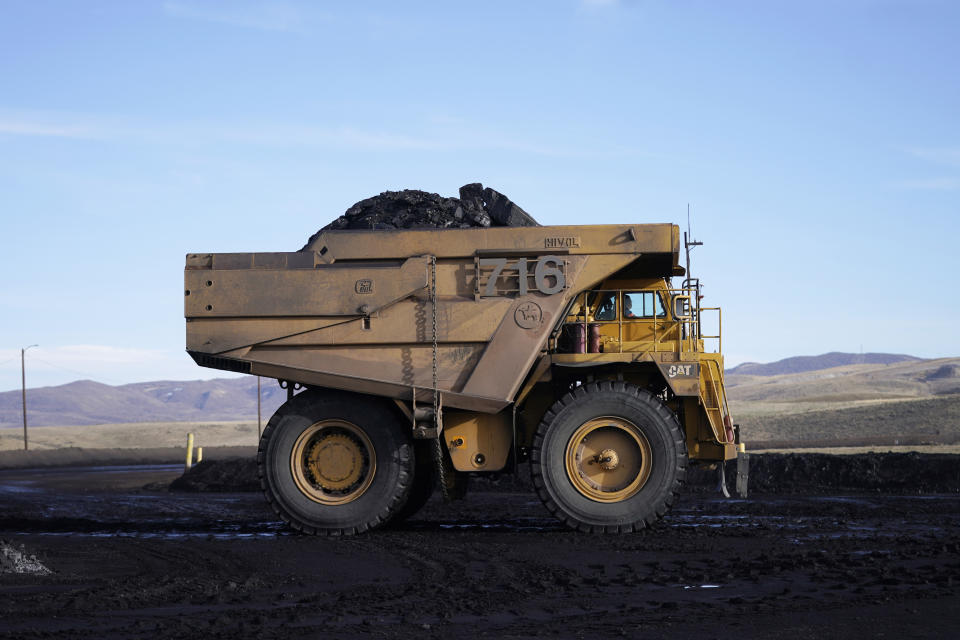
x,y
189,452
199,455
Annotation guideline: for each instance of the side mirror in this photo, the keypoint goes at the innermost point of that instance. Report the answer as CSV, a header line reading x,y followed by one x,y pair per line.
x,y
681,307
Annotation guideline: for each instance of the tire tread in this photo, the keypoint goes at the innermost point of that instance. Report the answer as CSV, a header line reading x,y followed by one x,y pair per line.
x,y
301,403
580,394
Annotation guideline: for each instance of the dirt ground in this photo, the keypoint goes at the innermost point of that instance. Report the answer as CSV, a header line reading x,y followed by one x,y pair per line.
x,y
127,562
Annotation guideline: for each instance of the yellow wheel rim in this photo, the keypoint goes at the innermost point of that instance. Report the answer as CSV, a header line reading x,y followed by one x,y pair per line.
x,y
333,462
608,459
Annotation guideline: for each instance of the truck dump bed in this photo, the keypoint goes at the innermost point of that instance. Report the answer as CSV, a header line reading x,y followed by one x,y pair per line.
x,y
355,310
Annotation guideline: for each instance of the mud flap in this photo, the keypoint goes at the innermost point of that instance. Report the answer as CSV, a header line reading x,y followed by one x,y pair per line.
x,y
722,479
743,473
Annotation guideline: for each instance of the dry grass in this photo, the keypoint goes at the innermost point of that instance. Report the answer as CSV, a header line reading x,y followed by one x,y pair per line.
x,y
136,435
915,422
840,387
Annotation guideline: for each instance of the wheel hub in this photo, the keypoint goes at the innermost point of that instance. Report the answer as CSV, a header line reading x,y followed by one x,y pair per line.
x,y
608,459
333,462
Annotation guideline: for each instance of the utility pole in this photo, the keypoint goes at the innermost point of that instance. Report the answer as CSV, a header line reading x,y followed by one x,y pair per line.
x,y
23,391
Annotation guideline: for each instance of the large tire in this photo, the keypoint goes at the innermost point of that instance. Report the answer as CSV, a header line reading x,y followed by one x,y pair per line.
x,y
424,482
335,463
608,457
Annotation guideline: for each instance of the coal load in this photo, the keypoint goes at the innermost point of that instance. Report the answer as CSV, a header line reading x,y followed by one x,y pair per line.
x,y
477,207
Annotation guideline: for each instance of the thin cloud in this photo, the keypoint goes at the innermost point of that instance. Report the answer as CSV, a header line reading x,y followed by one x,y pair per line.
x,y
268,16
944,157
35,128
463,138
940,155
436,137
312,136
931,184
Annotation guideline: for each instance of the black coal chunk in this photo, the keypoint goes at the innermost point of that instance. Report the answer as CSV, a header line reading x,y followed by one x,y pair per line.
x,y
414,209
504,212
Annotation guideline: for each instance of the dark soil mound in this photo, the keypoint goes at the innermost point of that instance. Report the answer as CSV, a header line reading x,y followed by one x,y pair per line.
x,y
821,473
791,473
413,209
232,474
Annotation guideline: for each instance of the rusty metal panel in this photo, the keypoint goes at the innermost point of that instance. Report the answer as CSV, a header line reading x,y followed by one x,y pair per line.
x,y
373,386
218,335
323,291
405,322
409,365
453,243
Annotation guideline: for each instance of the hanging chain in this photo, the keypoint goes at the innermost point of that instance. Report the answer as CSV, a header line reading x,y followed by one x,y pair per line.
x,y
438,445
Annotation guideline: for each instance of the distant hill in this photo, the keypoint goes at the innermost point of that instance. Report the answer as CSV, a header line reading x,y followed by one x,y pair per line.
x,y
801,364
911,401
757,393
87,402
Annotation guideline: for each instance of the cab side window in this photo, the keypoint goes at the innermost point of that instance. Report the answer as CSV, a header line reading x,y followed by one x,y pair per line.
x,y
642,304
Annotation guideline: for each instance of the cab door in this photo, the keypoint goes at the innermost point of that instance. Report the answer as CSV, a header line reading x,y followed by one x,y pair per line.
x,y
644,318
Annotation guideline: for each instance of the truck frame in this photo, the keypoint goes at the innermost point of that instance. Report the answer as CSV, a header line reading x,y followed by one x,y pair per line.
x,y
429,354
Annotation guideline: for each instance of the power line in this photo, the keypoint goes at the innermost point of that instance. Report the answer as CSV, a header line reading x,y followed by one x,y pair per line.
x,y
85,374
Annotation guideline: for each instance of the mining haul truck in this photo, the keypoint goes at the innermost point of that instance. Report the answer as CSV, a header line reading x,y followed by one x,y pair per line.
x,y
426,355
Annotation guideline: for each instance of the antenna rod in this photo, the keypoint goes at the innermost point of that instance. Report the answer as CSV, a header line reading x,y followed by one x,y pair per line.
x,y
689,242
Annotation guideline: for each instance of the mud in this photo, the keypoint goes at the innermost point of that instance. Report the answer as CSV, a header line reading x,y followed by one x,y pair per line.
x,y
233,474
414,209
133,563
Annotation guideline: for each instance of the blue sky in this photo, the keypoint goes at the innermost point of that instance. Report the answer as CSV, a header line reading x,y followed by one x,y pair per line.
x,y
818,144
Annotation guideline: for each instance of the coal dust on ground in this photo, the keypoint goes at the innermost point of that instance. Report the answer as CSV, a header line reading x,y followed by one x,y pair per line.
x,y
126,562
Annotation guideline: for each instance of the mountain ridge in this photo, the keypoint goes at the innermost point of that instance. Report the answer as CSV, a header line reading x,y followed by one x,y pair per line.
x,y
803,364
86,402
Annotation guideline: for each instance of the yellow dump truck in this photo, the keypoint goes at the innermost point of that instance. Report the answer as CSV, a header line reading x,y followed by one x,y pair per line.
x,y
425,355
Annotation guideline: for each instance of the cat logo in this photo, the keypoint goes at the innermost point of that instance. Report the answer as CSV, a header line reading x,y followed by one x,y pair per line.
x,y
364,286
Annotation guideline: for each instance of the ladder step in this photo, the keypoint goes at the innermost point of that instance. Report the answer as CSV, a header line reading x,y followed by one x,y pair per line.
x,y
423,414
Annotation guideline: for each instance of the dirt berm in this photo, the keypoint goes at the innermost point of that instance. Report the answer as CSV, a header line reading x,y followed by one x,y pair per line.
x,y
414,209
770,473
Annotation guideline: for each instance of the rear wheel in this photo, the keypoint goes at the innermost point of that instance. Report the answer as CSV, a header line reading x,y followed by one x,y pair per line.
x,y
608,457
335,463
424,481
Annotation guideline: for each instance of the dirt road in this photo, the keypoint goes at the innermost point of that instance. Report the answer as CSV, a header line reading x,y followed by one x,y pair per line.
x,y
133,563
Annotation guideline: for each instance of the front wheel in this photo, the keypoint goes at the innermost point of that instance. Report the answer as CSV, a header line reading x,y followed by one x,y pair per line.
x,y
335,463
608,457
